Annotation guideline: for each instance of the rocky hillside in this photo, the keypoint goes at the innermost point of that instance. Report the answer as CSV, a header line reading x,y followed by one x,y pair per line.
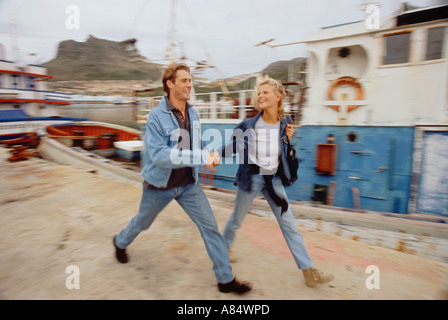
x,y
281,69
99,59
104,67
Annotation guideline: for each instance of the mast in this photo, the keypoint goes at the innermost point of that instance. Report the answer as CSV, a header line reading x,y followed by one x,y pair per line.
x,y
171,57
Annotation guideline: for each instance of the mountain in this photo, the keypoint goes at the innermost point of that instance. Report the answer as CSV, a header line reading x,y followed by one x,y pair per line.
x,y
78,63
282,70
99,59
285,70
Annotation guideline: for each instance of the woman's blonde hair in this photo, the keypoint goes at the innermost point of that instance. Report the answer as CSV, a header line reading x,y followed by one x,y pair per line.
x,y
278,90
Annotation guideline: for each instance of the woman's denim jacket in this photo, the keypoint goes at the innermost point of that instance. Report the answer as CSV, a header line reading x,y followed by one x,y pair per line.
x,y
161,139
240,141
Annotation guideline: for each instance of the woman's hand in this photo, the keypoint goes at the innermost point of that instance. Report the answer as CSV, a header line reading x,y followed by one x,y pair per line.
x,y
289,131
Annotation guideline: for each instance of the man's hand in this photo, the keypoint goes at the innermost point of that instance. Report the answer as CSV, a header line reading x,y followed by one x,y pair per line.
x,y
213,161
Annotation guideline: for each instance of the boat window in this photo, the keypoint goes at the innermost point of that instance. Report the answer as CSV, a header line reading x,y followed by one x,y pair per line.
x,y
15,81
434,43
30,83
396,48
344,52
5,81
352,137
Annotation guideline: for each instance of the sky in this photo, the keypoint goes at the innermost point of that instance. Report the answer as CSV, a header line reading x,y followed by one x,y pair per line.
x,y
224,32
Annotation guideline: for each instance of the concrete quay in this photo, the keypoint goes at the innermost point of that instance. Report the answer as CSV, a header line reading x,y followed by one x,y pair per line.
x,y
423,235
54,217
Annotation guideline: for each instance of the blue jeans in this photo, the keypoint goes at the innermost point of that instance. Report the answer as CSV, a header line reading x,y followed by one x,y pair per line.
x,y
286,221
193,200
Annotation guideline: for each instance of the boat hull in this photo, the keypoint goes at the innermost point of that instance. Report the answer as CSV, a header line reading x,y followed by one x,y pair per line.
x,y
58,149
129,150
23,131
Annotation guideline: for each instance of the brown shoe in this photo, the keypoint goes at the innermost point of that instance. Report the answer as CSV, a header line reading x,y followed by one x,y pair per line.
x,y
120,254
235,286
314,276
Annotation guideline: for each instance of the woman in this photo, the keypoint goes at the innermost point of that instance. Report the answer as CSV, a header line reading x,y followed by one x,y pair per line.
x,y
261,143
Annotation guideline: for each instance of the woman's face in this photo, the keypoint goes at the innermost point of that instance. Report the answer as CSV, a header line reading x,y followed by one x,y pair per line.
x,y
267,98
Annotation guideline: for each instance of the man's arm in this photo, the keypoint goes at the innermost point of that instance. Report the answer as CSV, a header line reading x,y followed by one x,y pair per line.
x,y
164,156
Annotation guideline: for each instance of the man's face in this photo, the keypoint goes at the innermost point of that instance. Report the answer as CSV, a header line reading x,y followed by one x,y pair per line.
x,y
181,87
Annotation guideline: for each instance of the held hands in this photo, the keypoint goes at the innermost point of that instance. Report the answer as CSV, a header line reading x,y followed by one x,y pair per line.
x,y
213,161
289,131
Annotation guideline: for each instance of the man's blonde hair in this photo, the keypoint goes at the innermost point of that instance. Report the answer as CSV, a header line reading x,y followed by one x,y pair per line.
x,y
278,90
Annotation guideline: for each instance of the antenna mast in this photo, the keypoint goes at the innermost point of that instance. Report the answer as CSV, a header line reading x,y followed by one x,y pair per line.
x,y
171,57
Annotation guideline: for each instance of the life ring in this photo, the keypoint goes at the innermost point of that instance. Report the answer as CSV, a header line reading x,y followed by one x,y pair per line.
x,y
345,81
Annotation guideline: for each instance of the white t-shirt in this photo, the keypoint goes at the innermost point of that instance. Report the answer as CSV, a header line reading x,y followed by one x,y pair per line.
x,y
266,152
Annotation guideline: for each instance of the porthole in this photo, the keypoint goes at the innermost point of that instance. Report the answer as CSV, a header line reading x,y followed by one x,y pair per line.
x,y
352,137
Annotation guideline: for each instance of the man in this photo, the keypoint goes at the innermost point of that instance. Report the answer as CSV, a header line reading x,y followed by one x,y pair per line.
x,y
173,143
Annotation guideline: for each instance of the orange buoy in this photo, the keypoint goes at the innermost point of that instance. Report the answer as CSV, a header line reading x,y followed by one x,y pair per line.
x,y
345,81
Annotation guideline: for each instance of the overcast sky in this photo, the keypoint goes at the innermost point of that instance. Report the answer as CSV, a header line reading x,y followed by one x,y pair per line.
x,y
226,29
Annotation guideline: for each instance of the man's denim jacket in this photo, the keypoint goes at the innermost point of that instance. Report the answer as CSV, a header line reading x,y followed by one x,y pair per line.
x,y
161,139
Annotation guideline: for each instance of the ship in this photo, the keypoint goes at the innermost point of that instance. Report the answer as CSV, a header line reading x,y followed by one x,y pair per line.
x,y
26,104
373,132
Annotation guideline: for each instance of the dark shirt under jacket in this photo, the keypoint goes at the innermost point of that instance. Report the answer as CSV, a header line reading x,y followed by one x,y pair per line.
x,y
182,176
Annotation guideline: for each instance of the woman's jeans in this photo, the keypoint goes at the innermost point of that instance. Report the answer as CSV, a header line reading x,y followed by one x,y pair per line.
x,y
193,200
286,221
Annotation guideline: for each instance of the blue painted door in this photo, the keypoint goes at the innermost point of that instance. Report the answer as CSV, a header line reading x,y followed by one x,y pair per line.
x,y
433,188
376,167
367,168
